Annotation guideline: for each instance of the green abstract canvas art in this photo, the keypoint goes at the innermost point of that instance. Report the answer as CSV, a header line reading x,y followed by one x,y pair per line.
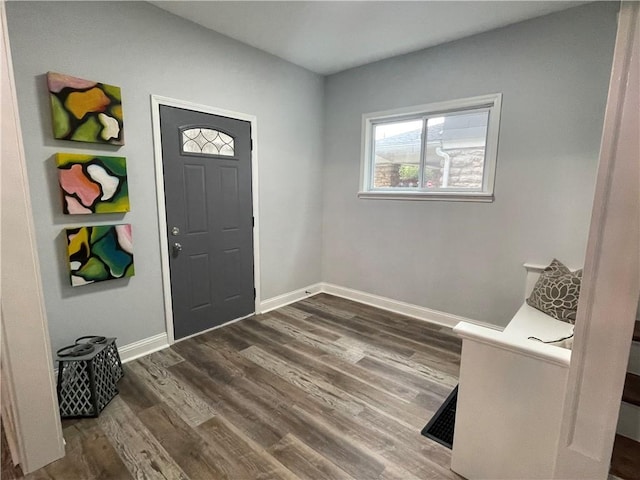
x,y
84,110
93,184
99,253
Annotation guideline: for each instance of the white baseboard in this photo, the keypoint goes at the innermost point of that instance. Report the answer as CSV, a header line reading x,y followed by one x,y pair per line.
x,y
143,347
158,342
403,308
138,349
288,298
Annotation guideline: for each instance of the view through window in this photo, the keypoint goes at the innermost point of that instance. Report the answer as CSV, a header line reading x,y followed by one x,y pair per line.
x,y
444,151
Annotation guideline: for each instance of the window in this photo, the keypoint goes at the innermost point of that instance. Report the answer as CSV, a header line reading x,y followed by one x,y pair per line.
x,y
440,151
207,142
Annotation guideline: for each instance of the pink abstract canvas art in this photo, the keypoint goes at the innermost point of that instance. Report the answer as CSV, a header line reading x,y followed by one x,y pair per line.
x,y
93,184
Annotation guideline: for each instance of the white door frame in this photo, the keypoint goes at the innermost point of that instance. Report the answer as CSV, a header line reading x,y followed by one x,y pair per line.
x,y
156,101
611,279
28,382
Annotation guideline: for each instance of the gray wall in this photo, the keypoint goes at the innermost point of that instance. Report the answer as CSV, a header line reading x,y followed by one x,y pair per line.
x,y
147,51
466,258
461,258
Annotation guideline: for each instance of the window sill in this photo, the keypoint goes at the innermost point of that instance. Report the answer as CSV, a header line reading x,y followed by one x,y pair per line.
x,y
439,196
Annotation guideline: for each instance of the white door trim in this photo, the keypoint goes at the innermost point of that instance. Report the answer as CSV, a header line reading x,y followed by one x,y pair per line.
x,y
611,280
156,101
27,374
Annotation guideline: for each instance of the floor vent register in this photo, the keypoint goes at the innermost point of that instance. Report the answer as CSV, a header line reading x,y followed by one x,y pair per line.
x,y
440,427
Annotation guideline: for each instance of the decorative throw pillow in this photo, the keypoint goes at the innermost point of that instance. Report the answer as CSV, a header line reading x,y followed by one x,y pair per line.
x,y
556,292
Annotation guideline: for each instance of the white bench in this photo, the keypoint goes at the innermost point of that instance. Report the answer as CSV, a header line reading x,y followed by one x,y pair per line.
x,y
530,322
510,396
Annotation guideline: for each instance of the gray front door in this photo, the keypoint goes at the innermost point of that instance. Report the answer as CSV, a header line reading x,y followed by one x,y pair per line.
x,y
207,184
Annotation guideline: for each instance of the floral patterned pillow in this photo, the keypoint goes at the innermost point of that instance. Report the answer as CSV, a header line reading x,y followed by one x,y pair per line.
x,y
556,292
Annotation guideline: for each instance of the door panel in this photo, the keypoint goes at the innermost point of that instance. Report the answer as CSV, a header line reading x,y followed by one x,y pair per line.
x,y
232,269
196,198
207,178
199,283
230,201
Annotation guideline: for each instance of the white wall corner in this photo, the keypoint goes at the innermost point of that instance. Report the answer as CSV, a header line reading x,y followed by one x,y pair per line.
x,y
143,347
288,298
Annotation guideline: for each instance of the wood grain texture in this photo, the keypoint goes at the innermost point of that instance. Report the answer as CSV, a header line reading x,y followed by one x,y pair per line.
x,y
135,392
185,445
89,454
625,461
164,358
140,451
298,377
181,398
631,392
305,462
324,388
288,327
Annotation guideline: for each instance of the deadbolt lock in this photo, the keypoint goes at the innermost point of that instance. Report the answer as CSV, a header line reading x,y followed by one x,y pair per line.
x,y
175,231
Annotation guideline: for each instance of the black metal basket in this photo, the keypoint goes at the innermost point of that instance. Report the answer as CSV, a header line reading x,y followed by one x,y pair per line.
x,y
88,382
113,357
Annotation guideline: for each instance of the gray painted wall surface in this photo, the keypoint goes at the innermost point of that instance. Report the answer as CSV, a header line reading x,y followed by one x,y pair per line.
x,y
466,258
147,51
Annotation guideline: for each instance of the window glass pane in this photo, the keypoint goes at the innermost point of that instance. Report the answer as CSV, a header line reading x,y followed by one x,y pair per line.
x,y
207,142
455,151
397,154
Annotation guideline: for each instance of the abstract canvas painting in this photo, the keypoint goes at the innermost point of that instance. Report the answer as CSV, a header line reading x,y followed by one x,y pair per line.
x,y
99,253
93,184
84,110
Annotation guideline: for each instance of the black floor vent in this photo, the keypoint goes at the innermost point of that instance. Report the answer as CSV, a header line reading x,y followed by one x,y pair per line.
x,y
440,427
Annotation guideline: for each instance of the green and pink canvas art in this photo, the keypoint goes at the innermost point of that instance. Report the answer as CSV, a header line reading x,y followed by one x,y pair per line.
x,y
84,110
92,183
99,253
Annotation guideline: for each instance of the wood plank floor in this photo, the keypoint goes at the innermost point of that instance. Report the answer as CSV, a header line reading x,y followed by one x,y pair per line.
x,y
631,392
321,389
625,461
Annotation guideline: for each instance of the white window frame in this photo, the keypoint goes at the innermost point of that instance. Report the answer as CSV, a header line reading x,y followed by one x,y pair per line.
x,y
492,103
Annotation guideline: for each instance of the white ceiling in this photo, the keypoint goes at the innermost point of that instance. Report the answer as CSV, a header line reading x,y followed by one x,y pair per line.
x,y
330,36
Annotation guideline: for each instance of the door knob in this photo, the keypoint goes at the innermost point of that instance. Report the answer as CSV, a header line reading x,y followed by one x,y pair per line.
x,y
177,247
